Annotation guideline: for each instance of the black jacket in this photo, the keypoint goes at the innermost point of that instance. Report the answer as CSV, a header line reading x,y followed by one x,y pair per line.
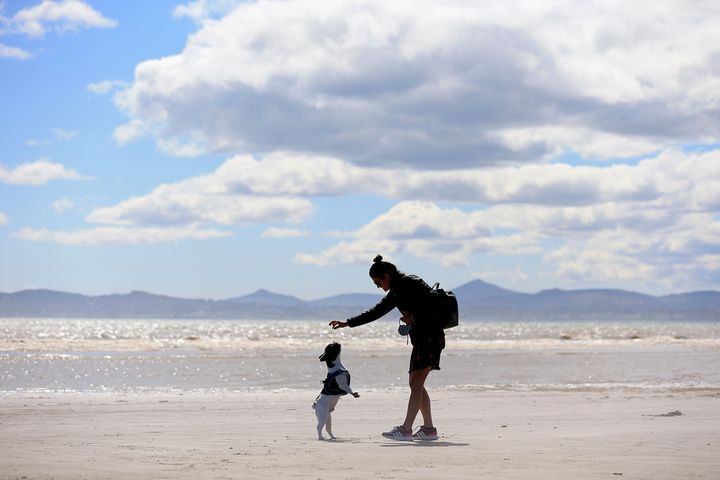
x,y
411,294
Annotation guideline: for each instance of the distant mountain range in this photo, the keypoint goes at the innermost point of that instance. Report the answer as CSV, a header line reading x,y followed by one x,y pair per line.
x,y
478,301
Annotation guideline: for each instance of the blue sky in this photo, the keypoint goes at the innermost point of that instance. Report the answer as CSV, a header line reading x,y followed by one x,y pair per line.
x,y
212,147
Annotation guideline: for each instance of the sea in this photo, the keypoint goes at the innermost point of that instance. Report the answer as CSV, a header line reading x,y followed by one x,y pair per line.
x,y
76,356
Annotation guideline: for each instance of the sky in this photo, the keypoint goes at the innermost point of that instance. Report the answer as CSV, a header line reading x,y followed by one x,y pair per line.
x,y
209,148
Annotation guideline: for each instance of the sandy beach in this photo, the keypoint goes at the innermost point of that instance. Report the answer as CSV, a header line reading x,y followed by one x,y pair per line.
x,y
503,435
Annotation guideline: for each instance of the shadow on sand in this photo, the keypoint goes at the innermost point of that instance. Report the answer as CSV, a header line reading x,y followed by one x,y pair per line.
x,y
424,444
393,444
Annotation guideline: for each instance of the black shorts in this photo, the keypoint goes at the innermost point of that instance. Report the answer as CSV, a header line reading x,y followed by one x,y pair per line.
x,y
426,353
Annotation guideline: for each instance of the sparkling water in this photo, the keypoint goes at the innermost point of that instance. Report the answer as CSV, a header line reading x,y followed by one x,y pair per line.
x,y
98,355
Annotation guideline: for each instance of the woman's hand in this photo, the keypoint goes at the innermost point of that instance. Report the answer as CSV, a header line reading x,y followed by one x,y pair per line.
x,y
335,324
407,317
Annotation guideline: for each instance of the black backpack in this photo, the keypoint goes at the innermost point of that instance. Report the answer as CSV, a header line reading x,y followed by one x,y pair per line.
x,y
446,307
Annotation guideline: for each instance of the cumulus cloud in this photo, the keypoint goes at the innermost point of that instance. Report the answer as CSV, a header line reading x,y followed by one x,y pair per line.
x,y
37,173
587,142
679,255
563,198
669,175
446,235
3,219
623,223
581,244
202,199
118,235
60,15
652,219
435,84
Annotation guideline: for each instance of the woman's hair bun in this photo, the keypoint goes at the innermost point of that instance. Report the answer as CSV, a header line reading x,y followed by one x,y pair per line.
x,y
380,268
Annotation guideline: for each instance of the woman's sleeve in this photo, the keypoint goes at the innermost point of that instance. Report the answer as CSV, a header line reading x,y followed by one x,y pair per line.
x,y
383,307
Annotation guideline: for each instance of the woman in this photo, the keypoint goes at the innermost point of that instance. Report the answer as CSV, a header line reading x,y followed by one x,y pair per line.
x,y
415,300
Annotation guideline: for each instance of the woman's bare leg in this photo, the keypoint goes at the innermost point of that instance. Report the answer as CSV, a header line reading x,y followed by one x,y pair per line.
x,y
425,410
418,397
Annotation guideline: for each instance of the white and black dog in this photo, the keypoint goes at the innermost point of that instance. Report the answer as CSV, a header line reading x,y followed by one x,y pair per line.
x,y
335,385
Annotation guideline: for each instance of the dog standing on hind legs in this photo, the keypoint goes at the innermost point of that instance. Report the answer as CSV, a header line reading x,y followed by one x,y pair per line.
x,y
335,385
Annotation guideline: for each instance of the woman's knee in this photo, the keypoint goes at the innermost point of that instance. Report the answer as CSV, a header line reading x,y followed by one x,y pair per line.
x,y
417,379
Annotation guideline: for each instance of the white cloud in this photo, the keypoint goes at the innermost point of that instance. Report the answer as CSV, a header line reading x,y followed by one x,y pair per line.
x,y
436,84
590,143
686,180
180,149
201,199
129,132
603,225
446,235
577,244
105,86
555,198
200,10
3,219
348,253
586,264
7,51
118,235
572,215
37,173
285,233
62,204
680,255
60,15
295,174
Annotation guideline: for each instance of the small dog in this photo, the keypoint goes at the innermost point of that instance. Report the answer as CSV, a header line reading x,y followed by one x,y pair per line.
x,y
335,385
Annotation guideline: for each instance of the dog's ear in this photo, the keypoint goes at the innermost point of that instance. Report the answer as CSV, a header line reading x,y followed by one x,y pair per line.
x,y
328,353
331,353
